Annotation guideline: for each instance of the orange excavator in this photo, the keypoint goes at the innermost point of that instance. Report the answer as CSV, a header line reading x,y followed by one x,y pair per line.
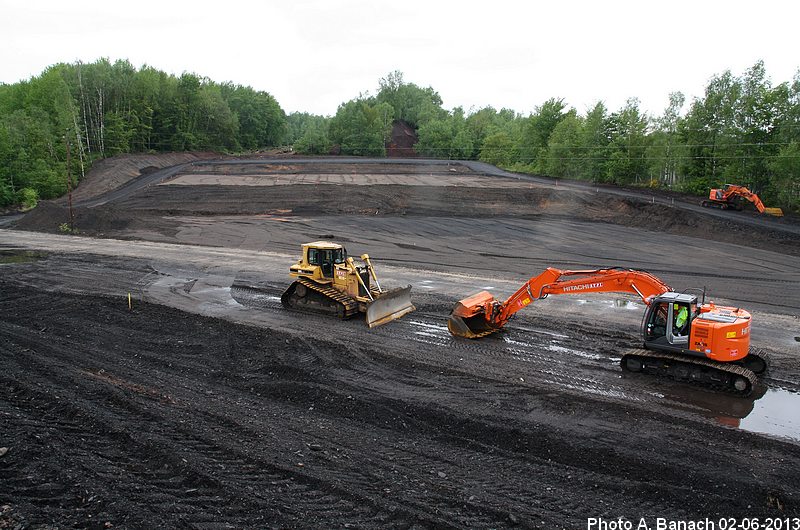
x,y
733,196
682,337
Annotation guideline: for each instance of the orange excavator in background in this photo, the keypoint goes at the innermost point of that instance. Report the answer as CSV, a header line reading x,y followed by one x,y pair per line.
x,y
682,338
732,196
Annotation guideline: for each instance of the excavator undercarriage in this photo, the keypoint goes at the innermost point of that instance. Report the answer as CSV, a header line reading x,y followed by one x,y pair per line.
x,y
729,377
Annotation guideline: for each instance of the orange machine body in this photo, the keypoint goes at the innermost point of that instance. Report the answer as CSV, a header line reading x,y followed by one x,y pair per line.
x,y
720,333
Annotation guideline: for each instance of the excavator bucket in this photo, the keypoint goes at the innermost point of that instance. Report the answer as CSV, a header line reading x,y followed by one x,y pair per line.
x,y
468,319
389,306
777,212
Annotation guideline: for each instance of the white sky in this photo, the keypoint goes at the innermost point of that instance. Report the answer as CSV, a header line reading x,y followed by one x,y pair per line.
x,y
312,55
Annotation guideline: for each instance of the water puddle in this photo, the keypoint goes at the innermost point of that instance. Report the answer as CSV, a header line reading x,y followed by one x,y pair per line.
x,y
776,413
772,411
434,334
441,329
271,297
534,330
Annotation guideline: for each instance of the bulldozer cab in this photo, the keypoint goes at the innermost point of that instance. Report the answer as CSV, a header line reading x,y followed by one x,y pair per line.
x,y
325,257
669,320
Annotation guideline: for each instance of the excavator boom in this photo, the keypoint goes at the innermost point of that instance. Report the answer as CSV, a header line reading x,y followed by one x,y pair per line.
x,y
481,314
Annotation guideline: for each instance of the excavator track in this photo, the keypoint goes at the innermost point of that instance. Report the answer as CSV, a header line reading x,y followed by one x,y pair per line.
x,y
305,295
757,360
728,376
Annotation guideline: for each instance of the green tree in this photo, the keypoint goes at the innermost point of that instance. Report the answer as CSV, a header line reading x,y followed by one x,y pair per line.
x,y
665,153
565,148
260,120
785,167
446,138
536,133
103,108
411,103
595,140
314,140
626,159
297,123
361,127
497,148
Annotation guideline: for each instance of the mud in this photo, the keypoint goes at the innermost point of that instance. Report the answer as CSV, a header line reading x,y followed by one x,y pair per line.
x,y
205,405
155,417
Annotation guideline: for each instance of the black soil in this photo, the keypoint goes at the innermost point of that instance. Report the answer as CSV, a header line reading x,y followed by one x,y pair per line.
x,y
153,417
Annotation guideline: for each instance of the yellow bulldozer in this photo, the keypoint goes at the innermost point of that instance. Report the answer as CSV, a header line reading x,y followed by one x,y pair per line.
x,y
329,281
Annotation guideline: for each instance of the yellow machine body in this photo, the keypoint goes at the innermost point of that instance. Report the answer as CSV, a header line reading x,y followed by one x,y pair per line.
x,y
329,281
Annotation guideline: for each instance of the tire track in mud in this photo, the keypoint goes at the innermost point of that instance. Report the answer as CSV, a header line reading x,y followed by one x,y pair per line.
x,y
160,446
535,353
519,353
203,453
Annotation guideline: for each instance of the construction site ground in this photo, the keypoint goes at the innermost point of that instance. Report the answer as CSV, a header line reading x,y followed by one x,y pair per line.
x,y
151,377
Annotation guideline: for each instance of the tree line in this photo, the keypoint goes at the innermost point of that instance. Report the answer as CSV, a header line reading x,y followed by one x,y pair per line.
x,y
86,112
742,130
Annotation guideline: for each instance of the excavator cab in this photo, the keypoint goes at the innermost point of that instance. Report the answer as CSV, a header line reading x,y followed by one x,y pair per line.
x,y
668,321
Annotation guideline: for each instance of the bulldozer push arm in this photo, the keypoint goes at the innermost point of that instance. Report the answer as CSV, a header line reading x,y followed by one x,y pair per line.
x,y
481,313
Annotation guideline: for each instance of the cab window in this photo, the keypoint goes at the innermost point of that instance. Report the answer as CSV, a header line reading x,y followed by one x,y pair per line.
x,y
339,255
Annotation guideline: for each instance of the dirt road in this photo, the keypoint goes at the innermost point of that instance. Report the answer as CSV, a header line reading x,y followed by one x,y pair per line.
x,y
209,406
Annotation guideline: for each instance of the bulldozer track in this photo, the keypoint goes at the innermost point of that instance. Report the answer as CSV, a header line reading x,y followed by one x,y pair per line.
x,y
349,304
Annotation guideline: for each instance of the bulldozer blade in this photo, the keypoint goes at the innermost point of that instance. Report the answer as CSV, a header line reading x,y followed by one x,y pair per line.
x,y
391,305
777,212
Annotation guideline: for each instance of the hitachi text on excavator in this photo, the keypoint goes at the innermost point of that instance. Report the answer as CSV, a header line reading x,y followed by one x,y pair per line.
x,y
682,337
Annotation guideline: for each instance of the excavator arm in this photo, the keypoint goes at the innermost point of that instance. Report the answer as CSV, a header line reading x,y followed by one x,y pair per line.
x,y
732,191
482,314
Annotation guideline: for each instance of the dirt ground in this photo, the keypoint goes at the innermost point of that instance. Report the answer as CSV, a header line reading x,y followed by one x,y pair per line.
x,y
207,405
